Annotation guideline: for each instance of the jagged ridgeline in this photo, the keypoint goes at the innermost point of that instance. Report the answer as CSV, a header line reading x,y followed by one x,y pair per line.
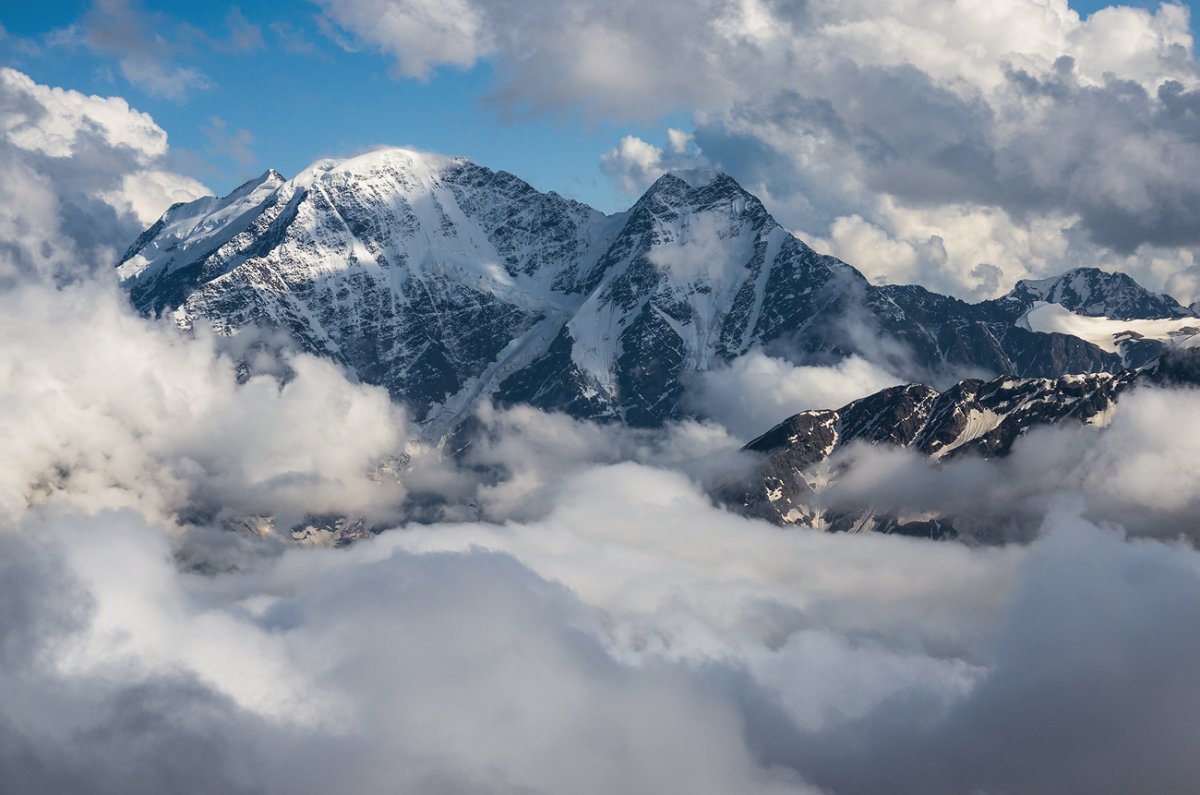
x,y
972,418
446,282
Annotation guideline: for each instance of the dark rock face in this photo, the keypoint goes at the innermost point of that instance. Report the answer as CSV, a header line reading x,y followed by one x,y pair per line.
x,y
972,418
698,273
1179,367
944,332
448,283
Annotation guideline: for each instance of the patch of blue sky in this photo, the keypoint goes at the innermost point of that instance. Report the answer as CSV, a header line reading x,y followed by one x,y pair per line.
x,y
300,96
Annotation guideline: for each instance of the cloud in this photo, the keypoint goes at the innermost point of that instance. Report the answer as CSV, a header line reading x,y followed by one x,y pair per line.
x,y
606,56
122,30
84,175
1032,178
580,614
517,459
704,252
292,39
150,421
1013,135
243,35
418,34
1064,658
150,48
1135,473
757,391
1039,162
415,672
234,144
589,617
635,164
628,636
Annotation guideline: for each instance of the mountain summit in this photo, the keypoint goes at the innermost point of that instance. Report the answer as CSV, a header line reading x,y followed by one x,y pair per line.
x,y
420,273
445,282
1096,293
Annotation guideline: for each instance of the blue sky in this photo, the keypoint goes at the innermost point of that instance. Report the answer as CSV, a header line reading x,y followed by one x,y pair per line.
x,y
301,96
301,93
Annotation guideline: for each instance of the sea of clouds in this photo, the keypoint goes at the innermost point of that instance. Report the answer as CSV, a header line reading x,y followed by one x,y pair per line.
x,y
581,617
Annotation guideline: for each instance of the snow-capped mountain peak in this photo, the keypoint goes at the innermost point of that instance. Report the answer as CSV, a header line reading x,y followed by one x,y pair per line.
x,y
416,271
1097,293
187,229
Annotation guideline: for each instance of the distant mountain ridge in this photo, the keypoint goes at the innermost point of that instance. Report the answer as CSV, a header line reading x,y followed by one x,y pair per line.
x,y
972,418
1096,293
447,282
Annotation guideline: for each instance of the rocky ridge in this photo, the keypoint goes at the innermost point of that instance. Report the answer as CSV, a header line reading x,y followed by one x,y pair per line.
x,y
975,418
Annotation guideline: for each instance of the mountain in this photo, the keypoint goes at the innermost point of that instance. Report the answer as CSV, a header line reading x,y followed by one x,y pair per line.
x,y
424,274
972,418
699,274
446,282
1096,293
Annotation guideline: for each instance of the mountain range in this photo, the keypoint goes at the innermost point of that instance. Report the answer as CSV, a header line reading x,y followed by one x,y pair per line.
x,y
444,282
972,418
448,283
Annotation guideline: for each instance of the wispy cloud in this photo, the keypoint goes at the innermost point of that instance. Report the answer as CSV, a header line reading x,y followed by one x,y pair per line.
x,y
138,42
234,144
151,49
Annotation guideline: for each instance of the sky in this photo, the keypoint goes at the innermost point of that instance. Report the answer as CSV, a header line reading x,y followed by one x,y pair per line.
x,y
579,614
276,84
961,150
294,90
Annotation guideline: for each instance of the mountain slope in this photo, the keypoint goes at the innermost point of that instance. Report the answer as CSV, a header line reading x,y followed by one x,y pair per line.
x,y
700,274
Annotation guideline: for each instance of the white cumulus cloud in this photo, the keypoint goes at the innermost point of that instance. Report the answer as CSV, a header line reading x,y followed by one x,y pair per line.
x,y
84,175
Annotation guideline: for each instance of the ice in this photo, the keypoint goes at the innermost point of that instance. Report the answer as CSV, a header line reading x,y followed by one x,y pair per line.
x,y
979,423
1106,333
